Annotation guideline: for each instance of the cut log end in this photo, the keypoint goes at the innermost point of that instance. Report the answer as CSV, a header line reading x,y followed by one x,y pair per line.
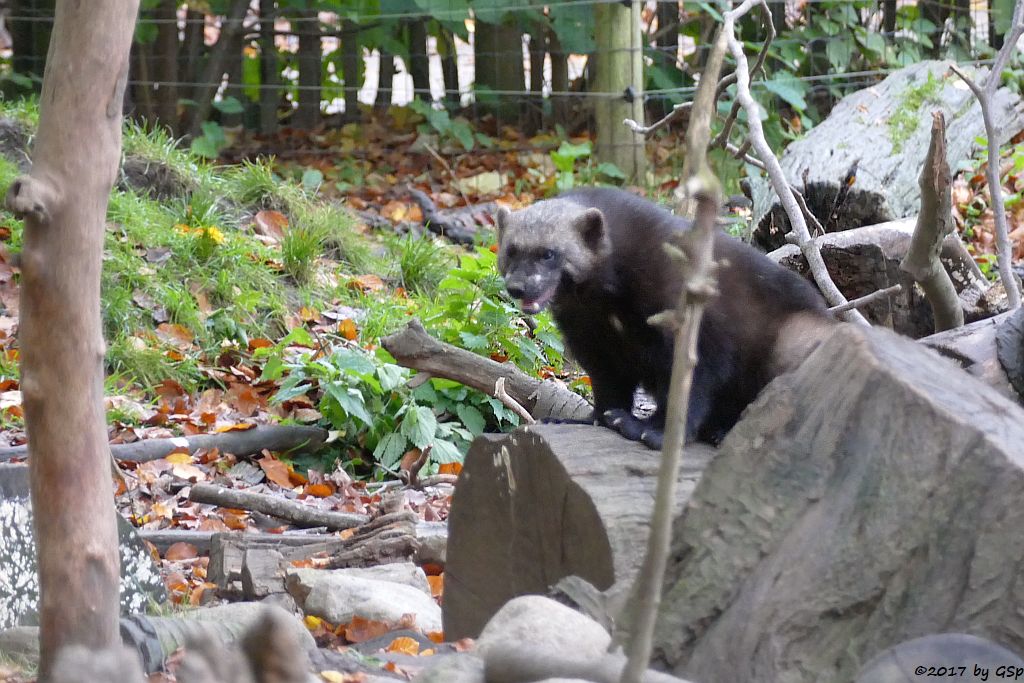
x,y
547,502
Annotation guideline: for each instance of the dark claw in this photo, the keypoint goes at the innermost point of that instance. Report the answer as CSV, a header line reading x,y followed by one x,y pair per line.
x,y
653,439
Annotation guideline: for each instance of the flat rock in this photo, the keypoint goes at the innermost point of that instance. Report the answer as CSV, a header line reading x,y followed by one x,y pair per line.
x,y
536,622
338,597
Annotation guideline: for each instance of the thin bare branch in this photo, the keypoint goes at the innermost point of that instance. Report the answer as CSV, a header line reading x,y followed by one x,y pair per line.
x,y
934,223
985,94
778,177
866,300
702,191
511,403
723,137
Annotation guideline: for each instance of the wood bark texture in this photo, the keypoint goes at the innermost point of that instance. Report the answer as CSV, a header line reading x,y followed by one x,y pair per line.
x,y
866,126
292,511
618,76
238,442
543,503
413,348
974,347
870,497
64,203
865,260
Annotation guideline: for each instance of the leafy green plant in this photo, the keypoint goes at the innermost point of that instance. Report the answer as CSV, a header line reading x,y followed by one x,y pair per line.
x,y
565,158
211,142
473,312
447,128
365,398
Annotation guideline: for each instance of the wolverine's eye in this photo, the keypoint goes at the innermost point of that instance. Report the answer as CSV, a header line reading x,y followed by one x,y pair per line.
x,y
548,255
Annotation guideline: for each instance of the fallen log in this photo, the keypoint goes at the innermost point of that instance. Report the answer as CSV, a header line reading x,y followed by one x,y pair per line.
x,y
884,127
870,497
413,348
547,502
291,511
238,442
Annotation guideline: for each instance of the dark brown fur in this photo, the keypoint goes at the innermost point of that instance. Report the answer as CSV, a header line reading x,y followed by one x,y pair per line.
x,y
596,256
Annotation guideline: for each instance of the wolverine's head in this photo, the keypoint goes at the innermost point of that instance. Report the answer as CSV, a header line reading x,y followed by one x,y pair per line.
x,y
551,241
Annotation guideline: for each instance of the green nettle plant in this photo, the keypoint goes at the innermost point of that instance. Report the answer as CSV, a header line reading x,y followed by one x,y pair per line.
x,y
364,397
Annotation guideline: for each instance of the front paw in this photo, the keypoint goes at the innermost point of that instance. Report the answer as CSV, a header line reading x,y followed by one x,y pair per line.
x,y
624,422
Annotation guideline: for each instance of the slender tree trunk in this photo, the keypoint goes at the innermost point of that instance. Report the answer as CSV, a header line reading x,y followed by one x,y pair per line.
x,y
30,39
419,64
310,64
559,80
385,80
667,45
213,72
995,38
449,68
145,103
618,70
936,12
270,69
351,61
165,54
499,67
194,46
535,103
64,204
233,72
888,19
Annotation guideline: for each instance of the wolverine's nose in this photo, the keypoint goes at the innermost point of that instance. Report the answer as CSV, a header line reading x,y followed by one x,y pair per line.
x,y
515,291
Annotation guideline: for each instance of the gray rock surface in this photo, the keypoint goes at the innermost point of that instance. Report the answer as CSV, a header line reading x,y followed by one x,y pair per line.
x,y
338,597
871,497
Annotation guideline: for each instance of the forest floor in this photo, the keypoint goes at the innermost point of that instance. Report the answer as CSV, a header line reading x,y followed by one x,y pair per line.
x,y
257,292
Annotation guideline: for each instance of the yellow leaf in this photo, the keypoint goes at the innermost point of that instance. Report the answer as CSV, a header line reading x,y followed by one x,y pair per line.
x,y
312,623
180,459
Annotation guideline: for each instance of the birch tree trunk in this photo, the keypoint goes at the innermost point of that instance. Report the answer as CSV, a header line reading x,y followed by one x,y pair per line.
x,y
64,203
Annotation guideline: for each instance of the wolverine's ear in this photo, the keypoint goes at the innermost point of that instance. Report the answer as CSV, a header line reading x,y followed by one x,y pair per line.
x,y
590,226
501,220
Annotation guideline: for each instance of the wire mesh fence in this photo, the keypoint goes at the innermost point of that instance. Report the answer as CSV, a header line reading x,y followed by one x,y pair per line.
x,y
260,64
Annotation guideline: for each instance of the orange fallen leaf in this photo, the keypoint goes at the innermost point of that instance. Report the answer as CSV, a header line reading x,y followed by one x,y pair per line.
x,y
175,335
181,551
450,468
347,329
260,343
321,490
234,521
436,636
436,584
404,645
270,224
367,283
276,471
359,630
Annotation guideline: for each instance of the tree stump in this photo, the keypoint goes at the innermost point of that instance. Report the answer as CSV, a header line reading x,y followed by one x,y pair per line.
x,y
543,503
872,496
886,128
865,260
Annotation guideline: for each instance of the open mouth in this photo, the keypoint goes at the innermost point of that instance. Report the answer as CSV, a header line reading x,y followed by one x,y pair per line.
x,y
533,306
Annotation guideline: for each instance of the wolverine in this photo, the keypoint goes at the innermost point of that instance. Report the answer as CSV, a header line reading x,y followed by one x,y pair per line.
x,y
595,257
